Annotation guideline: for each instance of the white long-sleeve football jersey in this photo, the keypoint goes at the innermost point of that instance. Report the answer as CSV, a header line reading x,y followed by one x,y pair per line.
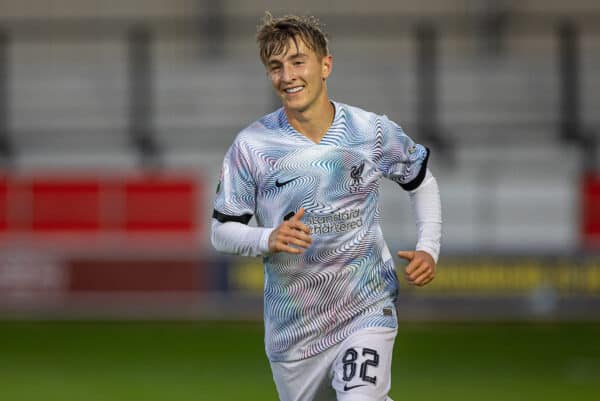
x,y
345,280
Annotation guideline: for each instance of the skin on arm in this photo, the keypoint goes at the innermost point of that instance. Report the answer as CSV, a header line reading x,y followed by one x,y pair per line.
x,y
291,235
420,269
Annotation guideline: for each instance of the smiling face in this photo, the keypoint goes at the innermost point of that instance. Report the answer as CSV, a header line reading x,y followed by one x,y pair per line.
x,y
298,76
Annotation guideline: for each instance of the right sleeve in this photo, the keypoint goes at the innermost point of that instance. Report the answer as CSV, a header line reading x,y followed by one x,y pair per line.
x,y
234,206
240,239
236,192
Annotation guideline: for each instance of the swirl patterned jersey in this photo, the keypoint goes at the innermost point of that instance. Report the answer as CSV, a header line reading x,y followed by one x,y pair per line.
x,y
345,280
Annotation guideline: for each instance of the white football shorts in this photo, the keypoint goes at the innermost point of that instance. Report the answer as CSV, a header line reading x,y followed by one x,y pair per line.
x,y
357,369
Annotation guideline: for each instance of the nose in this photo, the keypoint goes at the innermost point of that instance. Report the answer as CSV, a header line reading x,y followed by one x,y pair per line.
x,y
287,73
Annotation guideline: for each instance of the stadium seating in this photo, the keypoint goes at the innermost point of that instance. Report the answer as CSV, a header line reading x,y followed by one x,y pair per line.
x,y
508,172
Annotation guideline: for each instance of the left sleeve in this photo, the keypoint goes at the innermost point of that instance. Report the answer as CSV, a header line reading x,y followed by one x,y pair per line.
x,y
427,209
399,157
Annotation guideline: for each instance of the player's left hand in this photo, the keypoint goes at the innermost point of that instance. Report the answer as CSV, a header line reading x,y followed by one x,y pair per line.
x,y
420,269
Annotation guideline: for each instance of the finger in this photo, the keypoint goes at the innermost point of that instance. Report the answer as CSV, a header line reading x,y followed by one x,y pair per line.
x,y
296,221
420,280
409,280
419,271
289,249
289,233
301,236
298,225
285,243
297,241
298,215
424,279
412,266
297,233
407,255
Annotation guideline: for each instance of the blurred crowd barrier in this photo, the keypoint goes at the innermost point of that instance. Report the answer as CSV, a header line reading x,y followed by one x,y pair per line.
x,y
131,245
99,234
143,285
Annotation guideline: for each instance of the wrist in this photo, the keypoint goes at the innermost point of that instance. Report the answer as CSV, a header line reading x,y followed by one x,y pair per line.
x,y
265,241
430,250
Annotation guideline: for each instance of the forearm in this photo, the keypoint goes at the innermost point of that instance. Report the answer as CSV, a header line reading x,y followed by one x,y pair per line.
x,y
427,210
239,239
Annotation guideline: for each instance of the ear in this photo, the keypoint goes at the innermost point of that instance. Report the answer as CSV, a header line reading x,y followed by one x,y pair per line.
x,y
326,66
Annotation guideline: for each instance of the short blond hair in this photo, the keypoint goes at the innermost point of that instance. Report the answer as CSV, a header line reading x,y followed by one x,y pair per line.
x,y
274,35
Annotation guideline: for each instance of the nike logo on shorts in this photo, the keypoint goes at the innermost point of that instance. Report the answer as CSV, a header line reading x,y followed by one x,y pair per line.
x,y
347,388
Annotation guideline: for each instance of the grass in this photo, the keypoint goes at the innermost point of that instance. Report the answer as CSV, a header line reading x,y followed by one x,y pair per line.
x,y
185,361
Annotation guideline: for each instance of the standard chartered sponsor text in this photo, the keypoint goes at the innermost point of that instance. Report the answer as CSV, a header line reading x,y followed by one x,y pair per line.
x,y
334,223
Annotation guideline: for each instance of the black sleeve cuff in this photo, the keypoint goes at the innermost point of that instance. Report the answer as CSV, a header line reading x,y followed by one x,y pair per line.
x,y
223,218
414,184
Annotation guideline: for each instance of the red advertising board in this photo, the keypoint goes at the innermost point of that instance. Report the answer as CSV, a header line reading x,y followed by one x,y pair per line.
x,y
137,275
62,204
591,210
101,204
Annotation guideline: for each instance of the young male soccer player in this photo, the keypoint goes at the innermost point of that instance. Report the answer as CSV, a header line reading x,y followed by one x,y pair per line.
x,y
310,173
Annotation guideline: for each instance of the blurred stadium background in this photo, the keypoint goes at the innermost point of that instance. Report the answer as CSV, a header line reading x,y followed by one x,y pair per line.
x,y
115,116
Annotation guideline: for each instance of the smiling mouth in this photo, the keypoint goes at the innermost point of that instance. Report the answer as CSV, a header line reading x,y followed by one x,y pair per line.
x,y
293,90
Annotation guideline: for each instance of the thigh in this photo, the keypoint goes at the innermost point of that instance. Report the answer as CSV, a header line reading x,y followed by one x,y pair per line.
x,y
363,366
305,380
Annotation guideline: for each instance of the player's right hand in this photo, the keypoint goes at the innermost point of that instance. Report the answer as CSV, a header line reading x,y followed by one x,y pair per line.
x,y
291,236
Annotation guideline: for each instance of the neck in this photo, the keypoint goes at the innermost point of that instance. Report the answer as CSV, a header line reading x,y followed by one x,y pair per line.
x,y
313,122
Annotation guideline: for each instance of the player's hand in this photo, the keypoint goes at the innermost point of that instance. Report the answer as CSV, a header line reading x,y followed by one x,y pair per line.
x,y
291,236
420,269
